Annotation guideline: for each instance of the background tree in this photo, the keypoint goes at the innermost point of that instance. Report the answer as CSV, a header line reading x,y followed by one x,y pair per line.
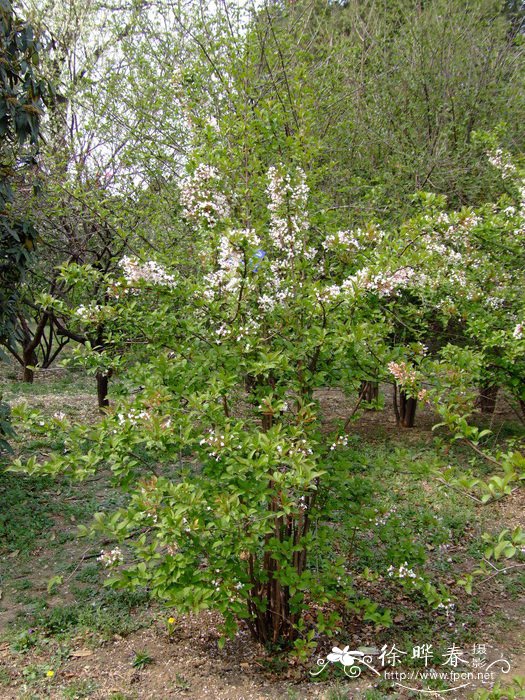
x,y
22,93
88,213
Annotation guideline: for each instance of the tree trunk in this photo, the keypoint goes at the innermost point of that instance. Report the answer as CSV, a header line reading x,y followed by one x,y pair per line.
x,y
29,343
487,399
30,360
102,389
250,382
370,392
28,375
407,410
269,602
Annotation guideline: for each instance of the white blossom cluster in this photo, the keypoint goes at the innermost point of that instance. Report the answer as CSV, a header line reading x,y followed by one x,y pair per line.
x,y
356,240
456,251
494,302
242,332
361,280
457,278
133,417
240,251
455,231
519,331
445,252
301,503
341,441
502,161
382,520
443,218
249,329
469,222
111,558
288,213
385,283
92,313
346,239
447,606
356,282
298,447
201,198
216,442
237,269
267,302
402,572
301,448
382,283
278,288
149,272
231,262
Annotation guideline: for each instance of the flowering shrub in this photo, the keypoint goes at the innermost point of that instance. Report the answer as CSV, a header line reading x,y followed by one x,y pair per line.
x,y
283,301
279,307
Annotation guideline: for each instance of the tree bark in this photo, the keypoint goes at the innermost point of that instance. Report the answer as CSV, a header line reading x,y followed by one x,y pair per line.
x,y
407,410
29,345
30,360
370,392
487,399
396,405
102,389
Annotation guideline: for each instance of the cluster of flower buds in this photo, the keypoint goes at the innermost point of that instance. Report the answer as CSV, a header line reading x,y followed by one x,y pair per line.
x,y
402,572
111,558
149,272
402,372
502,161
342,441
201,197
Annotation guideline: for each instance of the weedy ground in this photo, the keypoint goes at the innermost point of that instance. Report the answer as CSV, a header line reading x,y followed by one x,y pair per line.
x,y
65,635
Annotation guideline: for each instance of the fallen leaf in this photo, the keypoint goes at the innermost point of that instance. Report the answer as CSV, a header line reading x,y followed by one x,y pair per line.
x,y
82,652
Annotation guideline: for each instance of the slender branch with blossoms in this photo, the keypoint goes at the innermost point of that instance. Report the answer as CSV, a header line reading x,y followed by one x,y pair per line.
x,y
201,198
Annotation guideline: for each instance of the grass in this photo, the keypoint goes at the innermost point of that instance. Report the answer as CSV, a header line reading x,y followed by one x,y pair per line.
x,y
338,692
38,523
103,612
141,660
5,677
26,511
79,689
59,383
